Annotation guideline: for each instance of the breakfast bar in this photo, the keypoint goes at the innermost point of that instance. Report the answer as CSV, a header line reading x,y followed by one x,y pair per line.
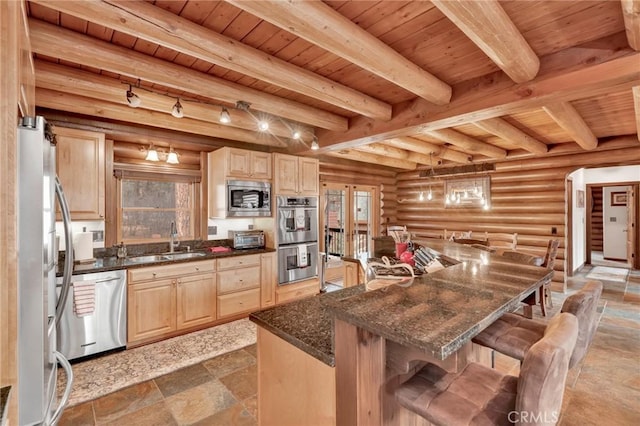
x,y
368,335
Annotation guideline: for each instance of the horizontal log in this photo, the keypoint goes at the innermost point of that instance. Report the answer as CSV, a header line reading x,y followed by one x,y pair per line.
x,y
523,229
508,221
355,167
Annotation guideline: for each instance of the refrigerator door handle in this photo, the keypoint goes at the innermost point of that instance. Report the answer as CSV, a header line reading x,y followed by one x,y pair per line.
x,y
68,258
67,390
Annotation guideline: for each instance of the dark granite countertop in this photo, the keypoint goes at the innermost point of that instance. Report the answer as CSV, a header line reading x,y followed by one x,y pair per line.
x,y
438,313
111,263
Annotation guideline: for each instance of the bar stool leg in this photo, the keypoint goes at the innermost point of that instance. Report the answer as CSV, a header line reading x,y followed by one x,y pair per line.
x,y
542,297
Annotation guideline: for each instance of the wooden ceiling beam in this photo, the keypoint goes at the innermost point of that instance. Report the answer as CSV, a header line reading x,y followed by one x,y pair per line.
x,y
75,81
400,154
374,159
422,147
467,143
85,50
73,103
510,133
631,15
636,107
154,24
490,28
321,25
590,70
566,116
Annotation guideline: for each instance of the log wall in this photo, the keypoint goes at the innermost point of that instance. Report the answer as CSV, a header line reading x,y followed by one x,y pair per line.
x,y
527,197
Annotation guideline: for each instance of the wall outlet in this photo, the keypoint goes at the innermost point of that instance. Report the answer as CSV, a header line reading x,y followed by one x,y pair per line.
x,y
212,230
554,230
250,227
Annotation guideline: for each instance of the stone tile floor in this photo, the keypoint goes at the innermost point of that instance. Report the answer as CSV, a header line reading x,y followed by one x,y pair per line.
x,y
603,390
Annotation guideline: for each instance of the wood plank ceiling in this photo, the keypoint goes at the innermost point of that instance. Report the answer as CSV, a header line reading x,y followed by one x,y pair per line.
x,y
404,84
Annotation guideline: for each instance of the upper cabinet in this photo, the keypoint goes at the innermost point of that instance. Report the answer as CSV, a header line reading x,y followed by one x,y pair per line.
x,y
295,175
80,164
240,163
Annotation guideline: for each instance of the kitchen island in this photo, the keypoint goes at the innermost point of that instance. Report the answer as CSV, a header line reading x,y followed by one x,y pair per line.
x,y
358,332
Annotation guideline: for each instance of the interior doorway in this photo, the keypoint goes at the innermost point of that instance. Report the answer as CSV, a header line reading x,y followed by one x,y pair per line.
x,y
347,224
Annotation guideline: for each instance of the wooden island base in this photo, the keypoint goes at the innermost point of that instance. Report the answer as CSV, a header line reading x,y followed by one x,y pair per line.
x,y
294,388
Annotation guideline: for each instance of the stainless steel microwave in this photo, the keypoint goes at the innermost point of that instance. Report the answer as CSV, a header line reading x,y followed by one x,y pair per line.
x,y
248,198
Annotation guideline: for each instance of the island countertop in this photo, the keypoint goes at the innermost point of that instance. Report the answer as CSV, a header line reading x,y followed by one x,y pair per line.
x,y
437,313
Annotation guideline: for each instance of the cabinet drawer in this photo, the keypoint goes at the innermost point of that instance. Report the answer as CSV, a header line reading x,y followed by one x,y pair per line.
x,y
238,279
238,261
178,269
297,291
235,303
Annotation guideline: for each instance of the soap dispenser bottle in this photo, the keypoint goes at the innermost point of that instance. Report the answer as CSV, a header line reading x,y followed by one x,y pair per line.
x,y
122,251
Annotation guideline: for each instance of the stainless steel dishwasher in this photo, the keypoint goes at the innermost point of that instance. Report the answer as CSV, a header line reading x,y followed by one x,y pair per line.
x,y
104,326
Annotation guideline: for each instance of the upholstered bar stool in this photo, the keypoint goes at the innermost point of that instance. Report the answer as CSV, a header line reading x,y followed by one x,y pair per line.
x,y
513,335
480,395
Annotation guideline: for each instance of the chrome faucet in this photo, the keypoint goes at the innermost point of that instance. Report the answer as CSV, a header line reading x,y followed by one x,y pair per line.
x,y
173,237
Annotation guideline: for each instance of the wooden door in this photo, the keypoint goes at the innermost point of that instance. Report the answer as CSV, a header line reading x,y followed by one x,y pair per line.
x,y
151,309
632,231
260,165
363,218
309,170
286,174
196,300
80,164
268,279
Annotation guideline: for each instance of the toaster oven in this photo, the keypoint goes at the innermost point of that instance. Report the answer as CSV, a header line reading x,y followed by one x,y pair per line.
x,y
247,239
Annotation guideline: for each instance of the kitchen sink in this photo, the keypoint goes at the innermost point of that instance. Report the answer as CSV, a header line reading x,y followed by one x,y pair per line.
x,y
183,255
148,258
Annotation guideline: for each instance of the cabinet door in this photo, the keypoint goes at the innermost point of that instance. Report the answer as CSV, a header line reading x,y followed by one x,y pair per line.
x,y
238,162
196,300
350,274
261,165
151,309
80,167
309,172
286,171
268,279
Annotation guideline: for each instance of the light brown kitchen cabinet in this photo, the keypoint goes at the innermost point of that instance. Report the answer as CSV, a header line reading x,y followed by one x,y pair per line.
x,y
296,175
228,163
352,274
80,164
238,285
166,300
268,279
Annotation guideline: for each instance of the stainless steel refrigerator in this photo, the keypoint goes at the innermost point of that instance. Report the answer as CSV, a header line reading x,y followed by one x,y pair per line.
x,y
39,307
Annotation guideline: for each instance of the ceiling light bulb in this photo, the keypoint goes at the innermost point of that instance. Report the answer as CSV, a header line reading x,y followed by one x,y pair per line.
x,y
132,99
421,196
429,195
172,157
152,154
263,125
296,134
225,118
314,145
177,110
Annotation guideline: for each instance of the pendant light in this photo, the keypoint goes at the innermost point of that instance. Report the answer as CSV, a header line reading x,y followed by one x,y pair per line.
x,y
132,99
314,144
225,118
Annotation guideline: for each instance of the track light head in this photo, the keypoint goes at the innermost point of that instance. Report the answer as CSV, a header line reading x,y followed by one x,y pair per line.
x,y
132,99
314,144
177,111
263,125
225,118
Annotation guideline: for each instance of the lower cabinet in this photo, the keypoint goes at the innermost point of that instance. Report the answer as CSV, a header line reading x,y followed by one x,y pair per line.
x,y
165,299
268,279
289,292
238,285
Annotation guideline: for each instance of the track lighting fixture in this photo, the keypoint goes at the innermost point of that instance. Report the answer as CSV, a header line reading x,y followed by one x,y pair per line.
x,y
132,99
314,144
177,110
225,118
172,157
152,154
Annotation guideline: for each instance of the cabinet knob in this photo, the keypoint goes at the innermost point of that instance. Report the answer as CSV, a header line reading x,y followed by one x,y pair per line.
x,y
197,268
154,274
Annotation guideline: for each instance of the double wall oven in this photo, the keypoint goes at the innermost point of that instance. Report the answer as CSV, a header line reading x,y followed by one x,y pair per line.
x,y
297,223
